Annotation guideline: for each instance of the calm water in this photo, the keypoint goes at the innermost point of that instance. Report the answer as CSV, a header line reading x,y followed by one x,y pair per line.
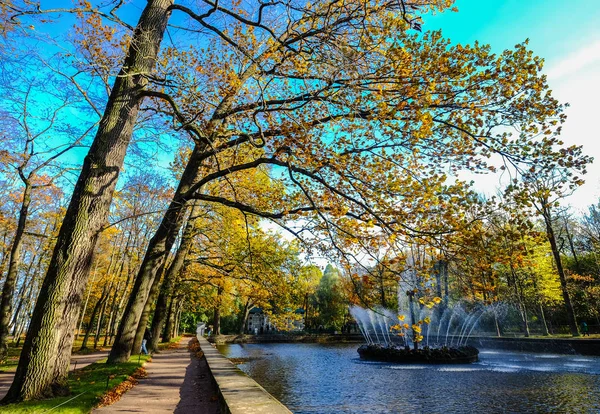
x,y
315,378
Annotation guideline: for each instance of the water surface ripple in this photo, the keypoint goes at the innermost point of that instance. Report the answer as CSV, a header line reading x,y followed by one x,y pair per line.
x,y
323,379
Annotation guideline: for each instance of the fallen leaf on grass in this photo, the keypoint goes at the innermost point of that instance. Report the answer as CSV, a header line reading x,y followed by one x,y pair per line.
x,y
115,393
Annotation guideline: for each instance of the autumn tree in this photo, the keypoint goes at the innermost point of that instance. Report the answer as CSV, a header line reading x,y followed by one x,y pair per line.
x,y
330,300
541,188
46,351
136,208
300,104
359,119
37,142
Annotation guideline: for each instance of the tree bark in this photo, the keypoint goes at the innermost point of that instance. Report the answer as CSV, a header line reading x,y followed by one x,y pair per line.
x,y
177,322
497,324
27,281
545,331
8,290
91,322
102,317
572,247
44,361
112,315
143,323
84,308
168,331
5,253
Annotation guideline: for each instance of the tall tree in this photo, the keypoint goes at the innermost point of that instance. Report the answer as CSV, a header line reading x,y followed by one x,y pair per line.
x,y
542,187
331,303
44,364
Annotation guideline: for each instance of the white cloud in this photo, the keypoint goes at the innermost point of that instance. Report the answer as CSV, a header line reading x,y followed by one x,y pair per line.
x,y
576,61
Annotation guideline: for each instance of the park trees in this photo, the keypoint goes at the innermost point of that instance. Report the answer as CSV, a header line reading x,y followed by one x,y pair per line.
x,y
359,120
541,188
330,300
46,354
38,136
134,214
220,104
232,265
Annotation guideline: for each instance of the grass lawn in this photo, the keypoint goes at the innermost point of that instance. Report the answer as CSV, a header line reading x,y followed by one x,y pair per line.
x,y
87,386
10,365
12,359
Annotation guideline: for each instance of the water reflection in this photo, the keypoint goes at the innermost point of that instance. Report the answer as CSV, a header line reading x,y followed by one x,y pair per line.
x,y
316,378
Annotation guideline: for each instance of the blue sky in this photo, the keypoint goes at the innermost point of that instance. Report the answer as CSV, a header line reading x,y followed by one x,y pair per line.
x,y
554,27
567,35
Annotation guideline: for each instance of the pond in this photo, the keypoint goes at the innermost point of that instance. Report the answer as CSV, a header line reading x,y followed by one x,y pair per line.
x,y
324,378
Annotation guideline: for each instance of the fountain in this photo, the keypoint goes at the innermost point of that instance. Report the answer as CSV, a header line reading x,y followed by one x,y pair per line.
x,y
418,332
443,340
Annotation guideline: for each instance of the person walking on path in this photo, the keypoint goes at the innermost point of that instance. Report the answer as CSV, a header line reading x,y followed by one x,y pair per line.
x,y
147,337
584,329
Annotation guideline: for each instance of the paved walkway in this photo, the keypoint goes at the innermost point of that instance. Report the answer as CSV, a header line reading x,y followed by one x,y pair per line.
x,y
77,361
176,383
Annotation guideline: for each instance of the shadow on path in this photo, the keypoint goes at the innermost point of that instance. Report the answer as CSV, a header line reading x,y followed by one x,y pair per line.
x,y
176,382
198,392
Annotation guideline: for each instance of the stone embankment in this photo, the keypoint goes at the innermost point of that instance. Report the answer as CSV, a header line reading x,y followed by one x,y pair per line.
x,y
581,346
238,393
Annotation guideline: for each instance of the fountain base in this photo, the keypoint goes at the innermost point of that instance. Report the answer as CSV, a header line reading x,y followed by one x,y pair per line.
x,y
426,355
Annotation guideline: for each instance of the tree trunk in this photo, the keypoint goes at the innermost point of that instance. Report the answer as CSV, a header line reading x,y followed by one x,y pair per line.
x,y
119,315
561,273
519,297
524,319
91,323
160,313
44,361
27,281
245,314
21,300
166,336
84,308
112,315
102,317
158,248
177,322
5,253
545,331
572,247
217,313
143,323
29,298
8,290
116,303
497,324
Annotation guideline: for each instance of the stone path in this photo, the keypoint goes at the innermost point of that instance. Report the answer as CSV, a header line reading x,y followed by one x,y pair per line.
x,y
176,383
77,361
